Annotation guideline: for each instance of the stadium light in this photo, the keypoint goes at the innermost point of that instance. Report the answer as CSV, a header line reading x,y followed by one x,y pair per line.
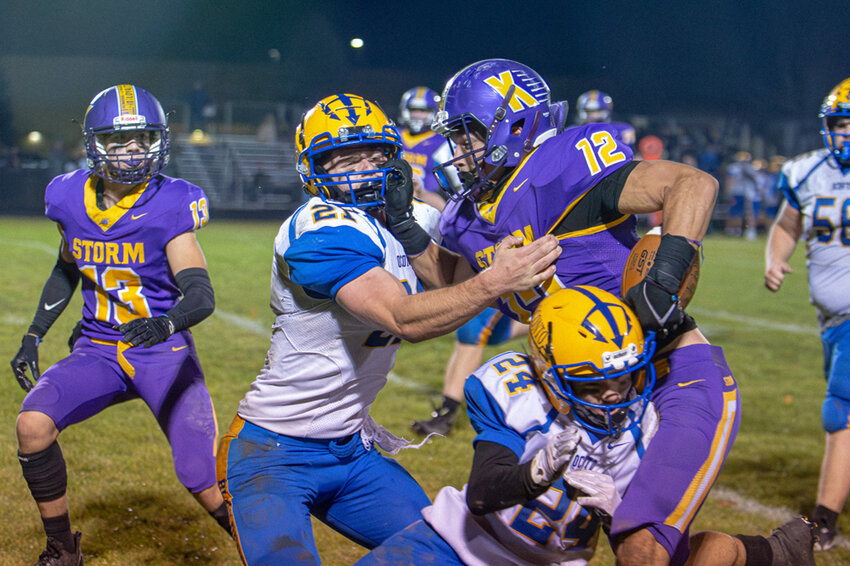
x,y
35,137
356,43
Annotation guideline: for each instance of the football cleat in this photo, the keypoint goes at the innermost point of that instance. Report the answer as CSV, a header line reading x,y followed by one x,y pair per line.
x,y
825,538
793,543
57,555
441,422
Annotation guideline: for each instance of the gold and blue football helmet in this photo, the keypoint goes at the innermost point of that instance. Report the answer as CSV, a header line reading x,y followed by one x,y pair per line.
x,y
584,335
836,105
125,108
342,121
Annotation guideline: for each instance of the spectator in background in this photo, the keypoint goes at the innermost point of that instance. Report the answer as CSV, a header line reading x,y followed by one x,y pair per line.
x,y
201,107
740,187
267,130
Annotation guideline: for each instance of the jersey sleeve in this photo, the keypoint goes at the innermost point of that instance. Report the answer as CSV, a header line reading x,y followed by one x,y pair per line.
x,y
488,418
325,259
193,212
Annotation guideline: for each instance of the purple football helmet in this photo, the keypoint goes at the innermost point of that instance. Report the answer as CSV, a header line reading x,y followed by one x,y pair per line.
x,y
120,109
418,98
594,106
503,102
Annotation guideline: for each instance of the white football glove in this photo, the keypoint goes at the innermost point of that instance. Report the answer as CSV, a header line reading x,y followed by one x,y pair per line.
x,y
599,489
551,461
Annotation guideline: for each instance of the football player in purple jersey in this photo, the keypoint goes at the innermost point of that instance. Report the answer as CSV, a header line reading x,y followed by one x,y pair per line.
x,y
423,148
597,106
520,177
128,232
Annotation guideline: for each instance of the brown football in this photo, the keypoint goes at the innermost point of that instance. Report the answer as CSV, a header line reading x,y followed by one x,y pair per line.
x,y
640,260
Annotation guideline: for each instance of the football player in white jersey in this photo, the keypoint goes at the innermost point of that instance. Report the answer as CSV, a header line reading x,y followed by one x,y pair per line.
x,y
560,434
344,295
816,186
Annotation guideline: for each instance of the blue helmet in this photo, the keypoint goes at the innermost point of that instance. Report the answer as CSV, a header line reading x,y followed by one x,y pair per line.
x,y
504,102
125,108
418,98
594,106
836,105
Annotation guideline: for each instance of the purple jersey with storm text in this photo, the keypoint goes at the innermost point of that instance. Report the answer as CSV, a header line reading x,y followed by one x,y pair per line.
x,y
534,200
421,151
120,252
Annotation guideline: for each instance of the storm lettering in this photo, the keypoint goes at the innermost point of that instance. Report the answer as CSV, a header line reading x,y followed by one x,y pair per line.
x,y
108,253
484,256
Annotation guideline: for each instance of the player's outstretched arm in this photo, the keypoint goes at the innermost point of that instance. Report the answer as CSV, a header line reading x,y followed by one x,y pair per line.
x,y
380,298
781,242
58,290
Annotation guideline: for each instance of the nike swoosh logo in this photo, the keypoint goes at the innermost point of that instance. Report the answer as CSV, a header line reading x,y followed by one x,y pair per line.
x,y
177,349
520,185
54,305
611,446
134,217
686,383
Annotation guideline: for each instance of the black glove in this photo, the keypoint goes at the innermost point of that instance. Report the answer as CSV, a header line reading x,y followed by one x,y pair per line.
x,y
655,299
146,331
27,357
398,207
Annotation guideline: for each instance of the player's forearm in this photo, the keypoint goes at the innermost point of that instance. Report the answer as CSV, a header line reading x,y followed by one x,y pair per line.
x,y
198,300
436,267
427,315
57,292
497,480
780,246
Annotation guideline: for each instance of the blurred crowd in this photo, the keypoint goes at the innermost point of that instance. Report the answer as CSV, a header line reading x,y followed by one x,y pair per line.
x,y
745,161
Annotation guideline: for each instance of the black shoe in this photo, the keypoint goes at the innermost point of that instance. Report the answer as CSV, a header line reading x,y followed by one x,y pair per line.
x,y
441,422
825,538
793,543
57,555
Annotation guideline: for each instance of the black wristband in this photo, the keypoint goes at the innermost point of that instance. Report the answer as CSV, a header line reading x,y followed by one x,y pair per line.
x,y
198,300
58,290
413,238
672,259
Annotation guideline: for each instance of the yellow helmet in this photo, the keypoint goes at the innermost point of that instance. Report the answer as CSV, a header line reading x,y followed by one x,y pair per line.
x,y
836,105
338,121
584,334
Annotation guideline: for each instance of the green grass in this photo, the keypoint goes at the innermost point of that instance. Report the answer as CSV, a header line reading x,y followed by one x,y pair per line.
x,y
132,510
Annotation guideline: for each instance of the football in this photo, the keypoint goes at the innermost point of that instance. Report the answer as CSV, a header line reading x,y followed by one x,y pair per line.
x,y
640,261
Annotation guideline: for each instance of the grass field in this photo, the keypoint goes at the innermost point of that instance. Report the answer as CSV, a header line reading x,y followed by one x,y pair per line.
x,y
131,509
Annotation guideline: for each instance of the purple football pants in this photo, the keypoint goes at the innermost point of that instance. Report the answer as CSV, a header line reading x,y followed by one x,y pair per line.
x,y
699,413
167,377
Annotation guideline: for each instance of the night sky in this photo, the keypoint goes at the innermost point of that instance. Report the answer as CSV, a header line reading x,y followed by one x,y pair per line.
x,y
754,57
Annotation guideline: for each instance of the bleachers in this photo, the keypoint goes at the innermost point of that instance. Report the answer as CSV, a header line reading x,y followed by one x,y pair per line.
x,y
238,172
